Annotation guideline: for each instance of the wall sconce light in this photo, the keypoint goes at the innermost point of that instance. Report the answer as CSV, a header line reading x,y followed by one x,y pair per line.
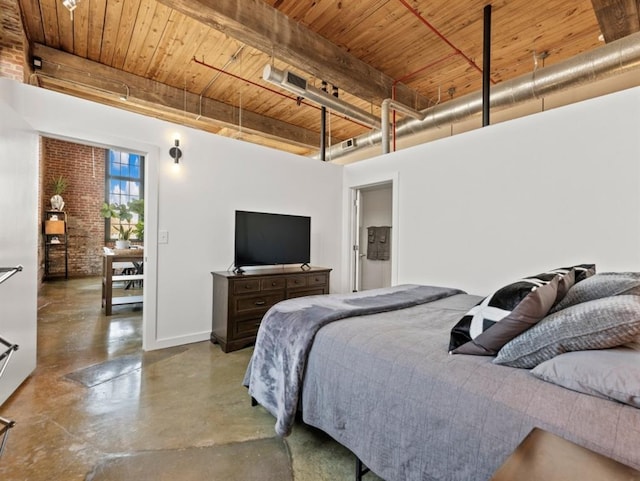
x,y
175,152
36,62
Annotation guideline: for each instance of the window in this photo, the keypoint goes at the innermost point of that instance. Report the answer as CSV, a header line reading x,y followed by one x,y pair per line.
x,y
124,184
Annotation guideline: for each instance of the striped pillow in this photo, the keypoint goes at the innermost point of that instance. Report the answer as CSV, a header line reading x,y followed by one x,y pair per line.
x,y
503,315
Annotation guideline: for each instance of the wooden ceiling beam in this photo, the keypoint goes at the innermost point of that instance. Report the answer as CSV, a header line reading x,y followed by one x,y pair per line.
x,y
157,99
617,18
257,24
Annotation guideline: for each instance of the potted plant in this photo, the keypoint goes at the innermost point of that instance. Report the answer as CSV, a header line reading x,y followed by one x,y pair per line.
x,y
58,185
137,207
124,227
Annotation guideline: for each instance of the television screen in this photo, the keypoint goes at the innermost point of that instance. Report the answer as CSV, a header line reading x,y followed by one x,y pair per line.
x,y
267,239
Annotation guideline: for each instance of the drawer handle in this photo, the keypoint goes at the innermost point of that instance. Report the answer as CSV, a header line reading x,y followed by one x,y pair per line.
x,y
273,283
296,281
257,324
247,286
317,280
260,303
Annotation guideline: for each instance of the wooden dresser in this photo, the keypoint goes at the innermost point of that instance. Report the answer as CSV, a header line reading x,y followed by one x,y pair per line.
x,y
240,300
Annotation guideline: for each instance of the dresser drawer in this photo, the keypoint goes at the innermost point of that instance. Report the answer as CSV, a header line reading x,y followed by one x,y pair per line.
x,y
246,328
257,304
306,292
296,281
273,284
246,285
317,280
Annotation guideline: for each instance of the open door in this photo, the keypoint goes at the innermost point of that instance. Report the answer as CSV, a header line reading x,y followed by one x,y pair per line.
x,y
372,235
355,235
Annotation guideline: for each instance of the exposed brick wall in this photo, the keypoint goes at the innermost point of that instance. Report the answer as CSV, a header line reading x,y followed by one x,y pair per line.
x,y
12,41
83,167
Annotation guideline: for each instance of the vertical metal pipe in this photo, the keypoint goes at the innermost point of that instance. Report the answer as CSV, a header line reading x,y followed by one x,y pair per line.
x,y
486,66
385,125
323,128
335,94
323,133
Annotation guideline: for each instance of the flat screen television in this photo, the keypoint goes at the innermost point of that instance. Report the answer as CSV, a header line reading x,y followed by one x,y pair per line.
x,y
269,239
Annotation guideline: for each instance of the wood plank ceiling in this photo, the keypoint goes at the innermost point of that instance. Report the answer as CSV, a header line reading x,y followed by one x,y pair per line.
x,y
200,62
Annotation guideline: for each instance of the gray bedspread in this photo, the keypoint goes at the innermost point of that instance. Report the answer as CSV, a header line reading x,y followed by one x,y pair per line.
x,y
275,372
385,387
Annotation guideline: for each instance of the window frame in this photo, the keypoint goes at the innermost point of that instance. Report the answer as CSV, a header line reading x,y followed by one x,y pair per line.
x,y
107,184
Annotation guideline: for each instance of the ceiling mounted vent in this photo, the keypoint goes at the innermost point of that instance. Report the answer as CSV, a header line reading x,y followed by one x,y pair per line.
x,y
294,82
349,144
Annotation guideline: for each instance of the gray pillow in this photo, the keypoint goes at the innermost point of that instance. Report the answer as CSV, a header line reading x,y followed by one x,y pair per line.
x,y
600,324
609,373
598,286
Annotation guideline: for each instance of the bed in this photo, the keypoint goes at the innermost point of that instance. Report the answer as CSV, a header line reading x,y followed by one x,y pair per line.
x,y
384,385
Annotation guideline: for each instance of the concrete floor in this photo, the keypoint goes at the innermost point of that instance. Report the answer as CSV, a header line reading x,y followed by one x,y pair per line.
x,y
97,408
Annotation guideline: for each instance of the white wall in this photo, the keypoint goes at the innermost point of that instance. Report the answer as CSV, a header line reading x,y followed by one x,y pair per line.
x,y
487,206
198,206
18,245
195,205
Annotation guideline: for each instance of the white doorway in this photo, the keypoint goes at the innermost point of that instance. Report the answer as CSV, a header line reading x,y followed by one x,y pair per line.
x,y
372,232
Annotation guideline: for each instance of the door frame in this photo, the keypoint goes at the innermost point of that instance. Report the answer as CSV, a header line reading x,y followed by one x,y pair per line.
x,y
353,226
151,180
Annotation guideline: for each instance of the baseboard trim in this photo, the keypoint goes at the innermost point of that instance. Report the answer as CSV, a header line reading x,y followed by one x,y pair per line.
x,y
176,341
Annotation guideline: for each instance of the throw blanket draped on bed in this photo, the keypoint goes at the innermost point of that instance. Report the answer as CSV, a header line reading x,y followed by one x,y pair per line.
x,y
275,372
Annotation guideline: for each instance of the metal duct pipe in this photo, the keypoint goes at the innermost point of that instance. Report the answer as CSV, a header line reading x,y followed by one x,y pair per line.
x,y
309,92
387,106
611,59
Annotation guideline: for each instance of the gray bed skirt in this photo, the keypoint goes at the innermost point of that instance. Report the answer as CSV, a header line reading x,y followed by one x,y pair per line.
x,y
385,387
